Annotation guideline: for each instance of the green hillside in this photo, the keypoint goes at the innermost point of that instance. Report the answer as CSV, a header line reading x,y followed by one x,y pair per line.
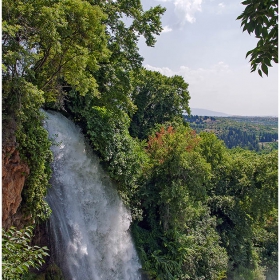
x,y
253,133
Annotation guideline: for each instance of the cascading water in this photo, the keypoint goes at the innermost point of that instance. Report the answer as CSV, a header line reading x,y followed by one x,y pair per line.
x,y
89,224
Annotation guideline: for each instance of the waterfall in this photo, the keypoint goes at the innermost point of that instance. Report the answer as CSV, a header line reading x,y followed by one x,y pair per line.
x,y
89,223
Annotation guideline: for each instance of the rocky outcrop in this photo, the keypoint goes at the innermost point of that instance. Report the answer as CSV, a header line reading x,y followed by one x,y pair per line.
x,y
14,173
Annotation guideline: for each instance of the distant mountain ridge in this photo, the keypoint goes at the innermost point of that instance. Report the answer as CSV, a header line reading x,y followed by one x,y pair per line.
x,y
205,112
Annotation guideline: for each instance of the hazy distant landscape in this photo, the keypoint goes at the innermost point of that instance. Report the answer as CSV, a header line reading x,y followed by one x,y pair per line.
x,y
210,113
205,112
253,133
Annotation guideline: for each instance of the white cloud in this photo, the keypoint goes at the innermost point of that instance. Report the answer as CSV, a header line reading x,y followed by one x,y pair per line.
x,y
163,70
220,88
166,29
186,9
221,7
194,76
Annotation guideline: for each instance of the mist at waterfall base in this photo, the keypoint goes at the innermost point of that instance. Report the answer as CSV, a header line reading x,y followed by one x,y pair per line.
x,y
89,225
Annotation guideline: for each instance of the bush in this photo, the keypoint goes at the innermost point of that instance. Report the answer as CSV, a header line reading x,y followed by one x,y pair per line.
x,y
17,254
34,148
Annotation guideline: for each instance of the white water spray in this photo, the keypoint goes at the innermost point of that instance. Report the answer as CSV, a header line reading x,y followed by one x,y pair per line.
x,y
89,223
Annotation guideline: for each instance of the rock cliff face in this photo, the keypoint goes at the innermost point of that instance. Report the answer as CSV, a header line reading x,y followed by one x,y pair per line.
x,y
14,173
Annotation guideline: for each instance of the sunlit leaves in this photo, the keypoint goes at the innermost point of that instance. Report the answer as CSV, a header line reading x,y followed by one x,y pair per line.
x,y
53,44
126,21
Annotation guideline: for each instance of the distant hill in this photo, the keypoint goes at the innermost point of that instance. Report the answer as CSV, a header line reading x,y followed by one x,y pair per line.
x,y
253,133
204,112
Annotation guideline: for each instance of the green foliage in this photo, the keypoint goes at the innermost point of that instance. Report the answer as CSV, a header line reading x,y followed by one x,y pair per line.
x,y
113,76
241,190
122,153
18,256
235,137
243,196
52,272
159,99
252,133
177,237
174,159
123,35
254,180
266,242
52,45
261,18
212,149
34,148
245,273
76,45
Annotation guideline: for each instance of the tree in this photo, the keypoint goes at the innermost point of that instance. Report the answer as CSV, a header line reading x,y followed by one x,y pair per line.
x,y
84,46
242,197
126,21
53,46
212,149
177,237
261,17
159,99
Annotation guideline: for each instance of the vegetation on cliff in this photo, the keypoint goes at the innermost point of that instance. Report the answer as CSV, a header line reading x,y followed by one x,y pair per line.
x,y
200,210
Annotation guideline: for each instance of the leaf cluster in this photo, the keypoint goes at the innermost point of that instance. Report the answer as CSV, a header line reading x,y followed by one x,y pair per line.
x,y
18,256
261,18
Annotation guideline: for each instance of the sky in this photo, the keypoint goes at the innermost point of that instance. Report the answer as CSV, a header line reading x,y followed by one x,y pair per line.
x,y
203,42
